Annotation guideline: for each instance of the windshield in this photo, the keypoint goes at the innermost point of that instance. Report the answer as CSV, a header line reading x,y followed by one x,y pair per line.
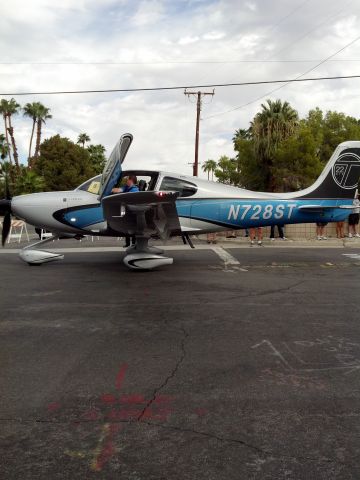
x,y
92,185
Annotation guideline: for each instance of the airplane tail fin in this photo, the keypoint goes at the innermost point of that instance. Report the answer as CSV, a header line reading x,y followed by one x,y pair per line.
x,y
340,177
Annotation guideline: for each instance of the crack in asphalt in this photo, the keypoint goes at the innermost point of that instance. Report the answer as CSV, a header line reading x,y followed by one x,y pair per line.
x,y
237,441
248,445
267,292
169,377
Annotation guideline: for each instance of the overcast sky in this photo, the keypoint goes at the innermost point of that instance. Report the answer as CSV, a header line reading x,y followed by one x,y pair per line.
x,y
106,44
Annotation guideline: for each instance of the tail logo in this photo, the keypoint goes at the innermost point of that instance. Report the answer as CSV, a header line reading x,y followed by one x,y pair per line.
x,y
346,171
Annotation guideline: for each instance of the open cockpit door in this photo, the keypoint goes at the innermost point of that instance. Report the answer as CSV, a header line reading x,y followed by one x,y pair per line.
x,y
112,170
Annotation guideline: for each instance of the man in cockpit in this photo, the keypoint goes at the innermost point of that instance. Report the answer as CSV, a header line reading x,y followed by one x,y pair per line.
x,y
129,187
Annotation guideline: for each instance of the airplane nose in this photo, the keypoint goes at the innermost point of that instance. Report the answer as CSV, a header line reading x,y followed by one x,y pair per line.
x,y
38,208
18,205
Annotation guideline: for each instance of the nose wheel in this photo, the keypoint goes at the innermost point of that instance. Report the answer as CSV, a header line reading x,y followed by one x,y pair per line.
x,y
32,256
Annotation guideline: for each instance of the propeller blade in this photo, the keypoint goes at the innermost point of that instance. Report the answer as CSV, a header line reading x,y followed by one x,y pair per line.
x,y
7,190
6,227
5,206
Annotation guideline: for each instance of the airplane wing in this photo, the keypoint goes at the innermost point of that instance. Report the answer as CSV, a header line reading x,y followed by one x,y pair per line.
x,y
143,213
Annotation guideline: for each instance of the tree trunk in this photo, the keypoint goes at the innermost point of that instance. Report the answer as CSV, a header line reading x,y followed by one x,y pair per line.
x,y
31,139
38,138
7,139
16,156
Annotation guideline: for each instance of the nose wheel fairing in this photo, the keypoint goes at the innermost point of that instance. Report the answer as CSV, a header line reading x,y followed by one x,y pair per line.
x,y
33,256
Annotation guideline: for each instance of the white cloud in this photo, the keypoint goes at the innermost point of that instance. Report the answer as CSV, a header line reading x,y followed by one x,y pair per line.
x,y
347,27
214,36
163,123
148,12
251,6
188,40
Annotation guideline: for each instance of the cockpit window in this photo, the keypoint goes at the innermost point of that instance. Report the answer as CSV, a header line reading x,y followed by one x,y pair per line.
x,y
172,184
91,186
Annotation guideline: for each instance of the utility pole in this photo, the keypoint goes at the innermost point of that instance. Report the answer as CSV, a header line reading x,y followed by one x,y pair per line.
x,y
198,110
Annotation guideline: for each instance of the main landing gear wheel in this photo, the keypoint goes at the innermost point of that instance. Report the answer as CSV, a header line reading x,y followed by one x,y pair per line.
x,y
143,257
146,261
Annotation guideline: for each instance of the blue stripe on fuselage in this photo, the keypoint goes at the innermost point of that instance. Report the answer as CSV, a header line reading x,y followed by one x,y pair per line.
x,y
244,213
84,217
239,213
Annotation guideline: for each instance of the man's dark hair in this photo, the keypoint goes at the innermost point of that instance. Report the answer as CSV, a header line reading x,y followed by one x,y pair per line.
x,y
133,178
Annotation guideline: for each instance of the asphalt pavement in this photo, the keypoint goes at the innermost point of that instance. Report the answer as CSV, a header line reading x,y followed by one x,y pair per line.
x,y
233,363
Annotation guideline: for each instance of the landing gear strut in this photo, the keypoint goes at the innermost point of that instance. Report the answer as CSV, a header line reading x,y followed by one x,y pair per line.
x,y
36,257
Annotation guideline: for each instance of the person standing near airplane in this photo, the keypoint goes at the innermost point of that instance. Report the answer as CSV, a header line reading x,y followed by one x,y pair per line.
x,y
354,218
256,231
320,230
280,228
340,230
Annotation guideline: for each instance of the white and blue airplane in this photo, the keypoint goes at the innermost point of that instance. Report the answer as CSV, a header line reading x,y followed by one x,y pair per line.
x,y
169,204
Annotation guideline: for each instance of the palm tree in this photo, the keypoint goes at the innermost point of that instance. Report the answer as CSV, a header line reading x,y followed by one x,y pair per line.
x,y
276,122
9,108
3,110
82,138
31,110
243,133
43,113
4,147
29,182
209,166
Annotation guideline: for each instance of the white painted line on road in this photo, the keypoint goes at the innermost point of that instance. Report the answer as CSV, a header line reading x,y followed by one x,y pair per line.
x,y
225,256
355,256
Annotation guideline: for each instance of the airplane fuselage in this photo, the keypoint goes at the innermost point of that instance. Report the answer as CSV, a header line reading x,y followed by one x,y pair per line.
x,y
170,204
207,207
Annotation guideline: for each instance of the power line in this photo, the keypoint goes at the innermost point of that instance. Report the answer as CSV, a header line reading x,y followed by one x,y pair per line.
x,y
171,62
296,79
182,87
288,45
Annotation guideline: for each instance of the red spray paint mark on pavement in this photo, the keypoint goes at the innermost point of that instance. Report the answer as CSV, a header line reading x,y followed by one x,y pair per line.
x,y
200,412
91,414
108,399
52,407
126,414
161,399
120,376
132,399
